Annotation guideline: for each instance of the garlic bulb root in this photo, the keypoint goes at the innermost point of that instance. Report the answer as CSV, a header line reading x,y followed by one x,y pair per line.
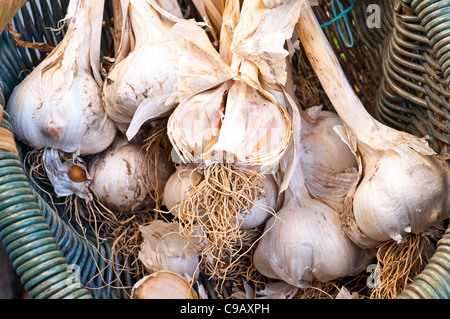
x,y
398,265
157,167
215,206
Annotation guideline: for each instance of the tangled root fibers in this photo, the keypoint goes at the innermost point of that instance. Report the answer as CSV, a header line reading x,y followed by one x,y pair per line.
x,y
214,210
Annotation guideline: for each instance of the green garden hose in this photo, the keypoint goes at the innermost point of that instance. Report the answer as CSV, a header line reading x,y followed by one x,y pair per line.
x,y
27,237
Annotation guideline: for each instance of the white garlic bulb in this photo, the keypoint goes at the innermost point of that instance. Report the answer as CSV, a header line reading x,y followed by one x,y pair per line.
x,y
164,249
399,196
163,285
145,77
120,179
58,105
304,241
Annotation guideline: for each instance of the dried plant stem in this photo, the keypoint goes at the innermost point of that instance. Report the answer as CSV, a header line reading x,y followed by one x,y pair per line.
x,y
398,265
41,46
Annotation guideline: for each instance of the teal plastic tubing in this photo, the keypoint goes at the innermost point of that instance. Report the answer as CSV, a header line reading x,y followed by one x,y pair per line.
x,y
27,237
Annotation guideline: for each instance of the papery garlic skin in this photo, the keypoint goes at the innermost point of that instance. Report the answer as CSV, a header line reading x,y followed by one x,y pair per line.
x,y
329,165
305,243
146,77
164,249
119,179
58,105
255,130
416,197
163,285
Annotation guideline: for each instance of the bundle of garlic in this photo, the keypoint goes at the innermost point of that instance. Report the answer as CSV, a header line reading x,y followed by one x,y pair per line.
x,y
304,242
228,123
143,75
164,249
163,285
122,179
402,187
58,106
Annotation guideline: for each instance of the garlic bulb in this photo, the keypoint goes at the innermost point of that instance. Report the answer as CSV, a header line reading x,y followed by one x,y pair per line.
x,y
178,184
402,185
58,105
121,180
304,241
330,167
399,195
144,74
225,114
163,285
164,249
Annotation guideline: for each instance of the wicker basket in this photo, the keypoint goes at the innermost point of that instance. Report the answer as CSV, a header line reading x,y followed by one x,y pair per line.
x,y
46,247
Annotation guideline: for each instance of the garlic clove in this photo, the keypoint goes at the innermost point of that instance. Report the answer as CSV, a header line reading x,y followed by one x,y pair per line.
x,y
330,166
194,126
163,285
